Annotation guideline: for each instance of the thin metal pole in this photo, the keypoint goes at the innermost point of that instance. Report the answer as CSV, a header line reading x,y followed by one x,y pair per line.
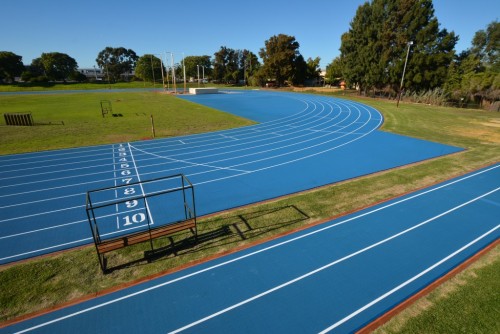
x,y
184,72
167,70
162,76
173,74
410,43
198,69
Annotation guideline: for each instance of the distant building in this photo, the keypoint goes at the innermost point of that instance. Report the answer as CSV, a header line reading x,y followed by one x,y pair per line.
x,y
92,73
97,73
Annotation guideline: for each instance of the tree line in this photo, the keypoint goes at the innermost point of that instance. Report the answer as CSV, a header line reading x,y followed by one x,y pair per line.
x,y
282,64
385,39
384,35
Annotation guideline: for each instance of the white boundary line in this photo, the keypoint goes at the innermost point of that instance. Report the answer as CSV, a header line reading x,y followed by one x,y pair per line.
x,y
284,243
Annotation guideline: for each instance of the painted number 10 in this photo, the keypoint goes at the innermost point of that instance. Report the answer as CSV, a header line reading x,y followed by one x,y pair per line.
x,y
137,218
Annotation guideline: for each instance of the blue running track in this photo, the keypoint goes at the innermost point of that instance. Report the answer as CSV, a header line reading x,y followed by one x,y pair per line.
x,y
335,277
301,142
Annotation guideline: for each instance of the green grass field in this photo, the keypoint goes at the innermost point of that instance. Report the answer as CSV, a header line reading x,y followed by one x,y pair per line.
x,y
84,124
49,281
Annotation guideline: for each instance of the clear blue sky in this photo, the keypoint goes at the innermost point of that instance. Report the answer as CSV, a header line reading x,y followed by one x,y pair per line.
x,y
82,28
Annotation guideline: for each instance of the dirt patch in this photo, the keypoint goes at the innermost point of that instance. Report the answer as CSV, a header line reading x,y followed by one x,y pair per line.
x,y
494,123
486,132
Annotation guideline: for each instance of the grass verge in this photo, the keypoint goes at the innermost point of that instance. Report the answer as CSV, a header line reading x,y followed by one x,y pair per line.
x,y
46,282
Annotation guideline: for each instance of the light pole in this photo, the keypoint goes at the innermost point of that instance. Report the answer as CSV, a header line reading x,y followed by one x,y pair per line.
x,y
410,43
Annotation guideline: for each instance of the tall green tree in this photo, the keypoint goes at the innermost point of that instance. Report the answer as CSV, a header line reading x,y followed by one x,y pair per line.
x,y
486,46
375,47
149,68
354,50
11,66
313,68
233,66
333,74
481,68
226,65
58,66
249,65
279,57
193,64
116,61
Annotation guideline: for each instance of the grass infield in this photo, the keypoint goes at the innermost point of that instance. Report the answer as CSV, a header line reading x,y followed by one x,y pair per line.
x,y
61,278
84,124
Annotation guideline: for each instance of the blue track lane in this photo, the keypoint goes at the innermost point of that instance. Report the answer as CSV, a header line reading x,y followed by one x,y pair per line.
x,y
301,142
335,277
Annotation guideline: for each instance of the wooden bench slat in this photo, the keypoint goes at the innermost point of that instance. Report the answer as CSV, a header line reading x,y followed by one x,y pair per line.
x,y
132,239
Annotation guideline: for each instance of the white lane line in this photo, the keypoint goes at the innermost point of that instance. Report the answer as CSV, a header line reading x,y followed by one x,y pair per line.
x,y
86,240
273,149
246,255
41,229
229,137
402,285
148,210
251,144
41,213
246,145
193,164
51,168
102,172
40,200
81,153
313,272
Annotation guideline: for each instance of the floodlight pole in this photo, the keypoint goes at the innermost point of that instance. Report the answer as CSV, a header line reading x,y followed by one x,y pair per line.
x,y
410,43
